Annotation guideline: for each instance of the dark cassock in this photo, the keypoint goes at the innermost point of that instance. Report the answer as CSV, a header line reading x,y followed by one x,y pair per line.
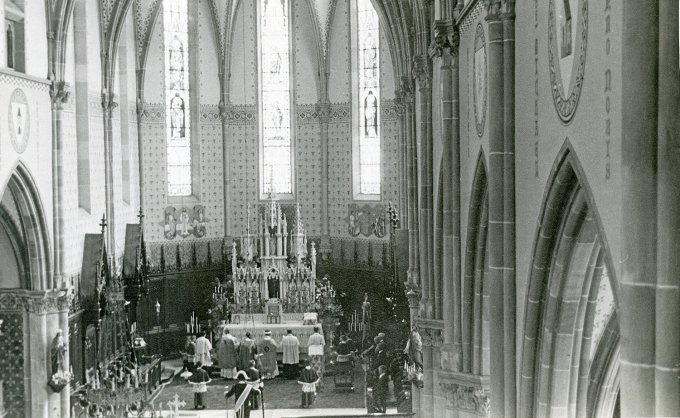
x,y
246,352
266,348
381,390
255,382
199,382
243,393
308,379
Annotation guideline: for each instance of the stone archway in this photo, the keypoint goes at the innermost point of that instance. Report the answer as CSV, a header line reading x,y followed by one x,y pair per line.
x,y
24,219
570,298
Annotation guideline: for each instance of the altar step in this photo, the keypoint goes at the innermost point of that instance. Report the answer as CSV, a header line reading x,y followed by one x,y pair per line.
x,y
298,413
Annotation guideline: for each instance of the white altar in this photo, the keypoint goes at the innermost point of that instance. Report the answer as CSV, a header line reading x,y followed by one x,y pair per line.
x,y
292,284
289,321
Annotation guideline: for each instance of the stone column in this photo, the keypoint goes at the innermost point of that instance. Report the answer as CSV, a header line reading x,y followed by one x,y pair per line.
x,y
446,47
414,279
402,204
63,305
59,93
324,111
496,241
509,297
668,291
226,169
108,105
422,71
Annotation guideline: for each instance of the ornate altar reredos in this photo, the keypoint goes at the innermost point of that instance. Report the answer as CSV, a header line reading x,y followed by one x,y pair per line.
x,y
286,271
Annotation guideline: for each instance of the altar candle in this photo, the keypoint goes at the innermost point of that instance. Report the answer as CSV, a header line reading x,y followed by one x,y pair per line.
x,y
127,381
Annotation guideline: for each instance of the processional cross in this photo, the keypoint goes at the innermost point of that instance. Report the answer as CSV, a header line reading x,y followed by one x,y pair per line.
x,y
174,406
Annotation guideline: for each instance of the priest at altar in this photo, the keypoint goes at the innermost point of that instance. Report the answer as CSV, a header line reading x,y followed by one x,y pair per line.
x,y
267,349
291,355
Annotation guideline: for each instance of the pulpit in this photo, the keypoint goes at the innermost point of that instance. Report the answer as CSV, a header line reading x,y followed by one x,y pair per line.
x,y
274,311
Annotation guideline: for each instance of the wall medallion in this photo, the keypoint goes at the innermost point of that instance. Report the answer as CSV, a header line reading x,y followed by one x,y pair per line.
x,y
479,80
19,121
567,41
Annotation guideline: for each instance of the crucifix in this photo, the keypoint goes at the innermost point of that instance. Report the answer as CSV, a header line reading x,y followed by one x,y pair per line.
x,y
174,406
103,222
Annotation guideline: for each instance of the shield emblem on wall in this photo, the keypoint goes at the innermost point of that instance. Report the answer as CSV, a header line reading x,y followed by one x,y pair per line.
x,y
567,42
19,121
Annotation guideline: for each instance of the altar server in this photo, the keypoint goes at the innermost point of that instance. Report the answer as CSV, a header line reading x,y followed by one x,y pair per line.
x,y
316,354
242,392
203,348
308,380
291,355
227,354
199,380
267,351
246,352
254,381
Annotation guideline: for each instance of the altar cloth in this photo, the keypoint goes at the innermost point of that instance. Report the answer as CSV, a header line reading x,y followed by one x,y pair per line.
x,y
303,332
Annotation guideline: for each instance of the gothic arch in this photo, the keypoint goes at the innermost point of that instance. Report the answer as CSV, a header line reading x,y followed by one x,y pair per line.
x,y
570,261
32,230
475,287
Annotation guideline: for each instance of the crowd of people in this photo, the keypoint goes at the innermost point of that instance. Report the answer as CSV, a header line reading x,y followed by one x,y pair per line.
x,y
251,362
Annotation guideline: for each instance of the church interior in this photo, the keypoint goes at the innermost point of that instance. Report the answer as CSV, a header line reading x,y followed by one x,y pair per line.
x,y
411,208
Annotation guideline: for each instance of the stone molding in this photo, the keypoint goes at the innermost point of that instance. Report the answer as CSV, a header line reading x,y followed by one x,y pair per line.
x,y
38,302
468,392
18,79
431,331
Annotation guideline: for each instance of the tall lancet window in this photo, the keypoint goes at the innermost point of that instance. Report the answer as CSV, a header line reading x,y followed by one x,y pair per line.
x,y
178,122
276,157
366,147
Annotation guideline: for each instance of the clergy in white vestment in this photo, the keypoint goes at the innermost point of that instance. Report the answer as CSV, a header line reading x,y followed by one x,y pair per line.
x,y
203,348
291,355
316,345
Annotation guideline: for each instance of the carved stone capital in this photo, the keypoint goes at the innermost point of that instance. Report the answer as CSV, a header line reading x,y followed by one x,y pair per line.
x,y
493,10
38,302
446,39
467,398
224,110
422,70
140,107
431,331
59,93
412,289
108,101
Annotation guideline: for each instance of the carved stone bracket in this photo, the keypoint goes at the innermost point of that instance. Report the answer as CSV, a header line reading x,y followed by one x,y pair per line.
x,y
59,93
422,71
493,10
108,101
412,289
446,39
224,110
431,332
467,398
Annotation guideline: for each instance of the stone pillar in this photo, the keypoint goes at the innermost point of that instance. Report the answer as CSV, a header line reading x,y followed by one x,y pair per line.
x,y
422,71
59,93
63,305
446,48
108,105
496,211
324,111
509,297
402,204
668,291
639,200
226,170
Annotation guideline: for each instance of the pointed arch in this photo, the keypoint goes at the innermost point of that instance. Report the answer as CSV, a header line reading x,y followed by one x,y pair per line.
x,y
570,260
475,288
32,228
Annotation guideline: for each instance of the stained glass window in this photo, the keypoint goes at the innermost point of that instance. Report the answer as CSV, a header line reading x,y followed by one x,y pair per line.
x,y
276,168
178,122
369,97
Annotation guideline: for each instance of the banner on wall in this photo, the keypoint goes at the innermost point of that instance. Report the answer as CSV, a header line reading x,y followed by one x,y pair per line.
x,y
366,220
184,222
